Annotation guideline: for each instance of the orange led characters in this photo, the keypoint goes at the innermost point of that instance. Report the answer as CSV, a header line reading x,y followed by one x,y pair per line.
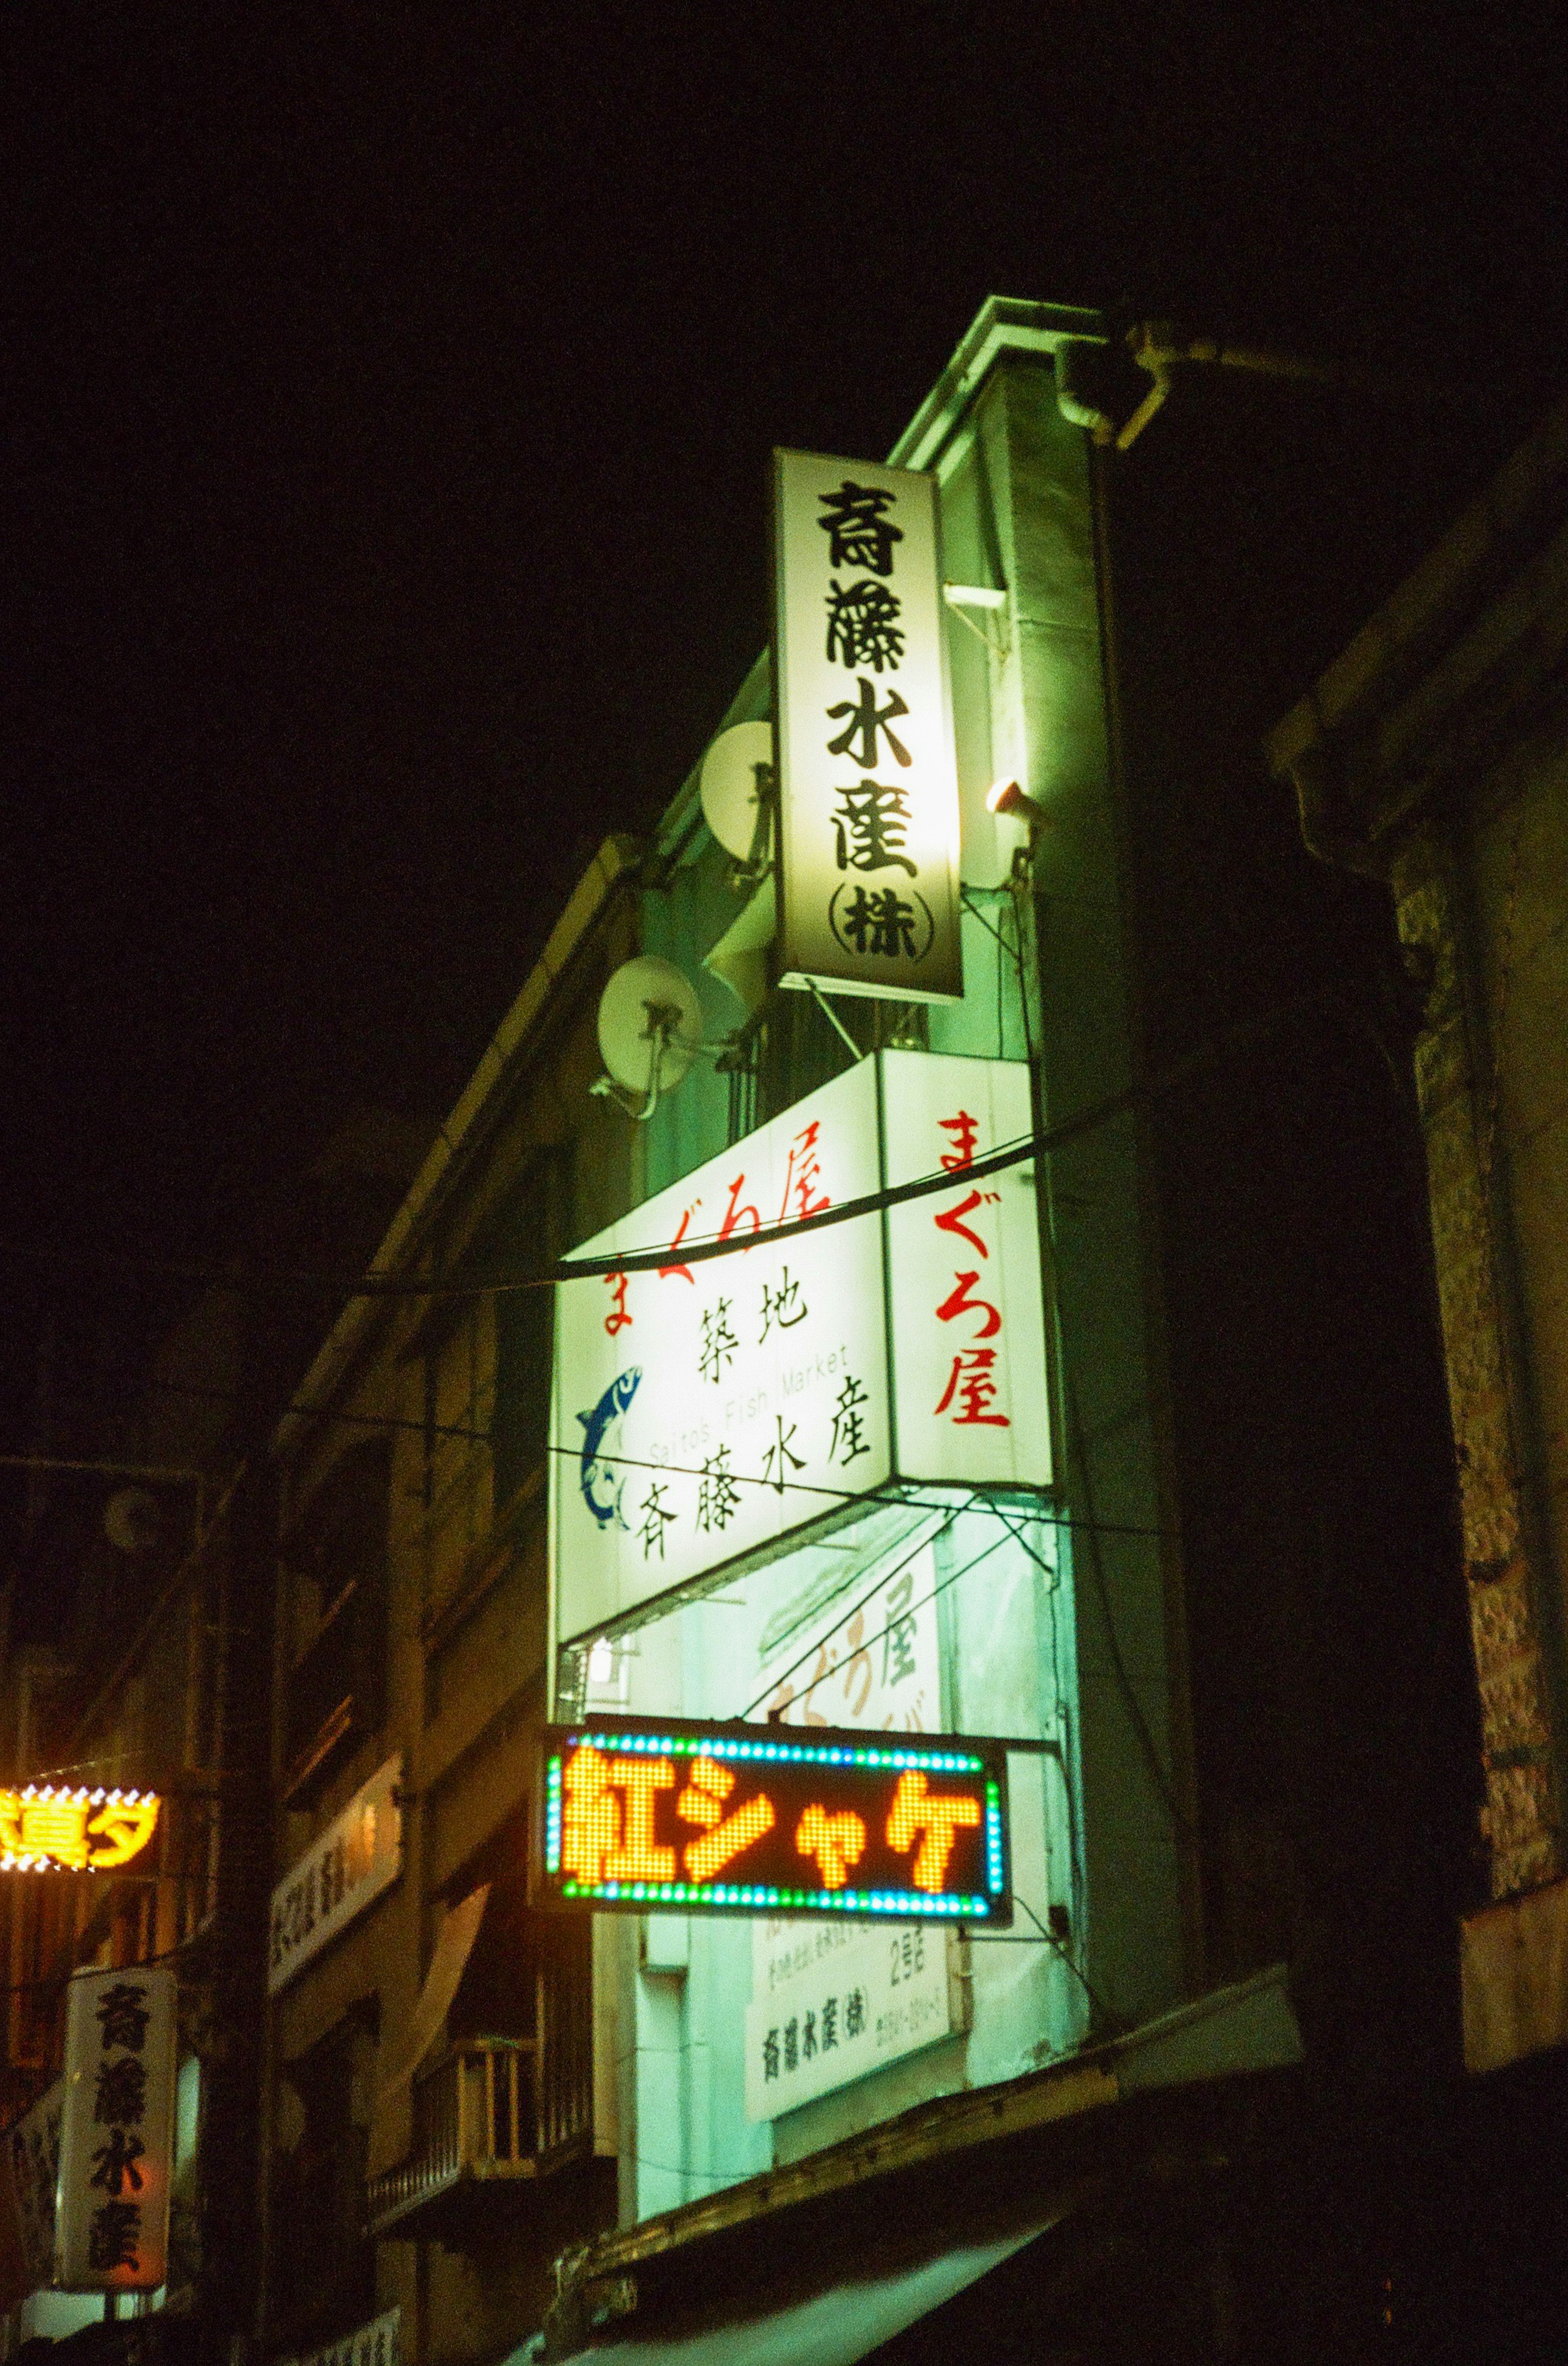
x,y
915,1811
836,1842
702,1802
606,1825
126,1824
608,1808
606,1821
45,1827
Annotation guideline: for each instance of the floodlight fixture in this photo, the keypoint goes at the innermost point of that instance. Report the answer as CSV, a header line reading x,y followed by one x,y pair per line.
x,y
1010,798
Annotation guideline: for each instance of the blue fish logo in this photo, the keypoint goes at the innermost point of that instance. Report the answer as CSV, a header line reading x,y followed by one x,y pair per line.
x,y
596,1478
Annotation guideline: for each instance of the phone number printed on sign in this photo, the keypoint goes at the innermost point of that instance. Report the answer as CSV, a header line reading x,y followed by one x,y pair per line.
x,y
848,2011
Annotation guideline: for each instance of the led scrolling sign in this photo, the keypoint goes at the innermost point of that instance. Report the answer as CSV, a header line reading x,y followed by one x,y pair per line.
x,y
49,1829
703,1818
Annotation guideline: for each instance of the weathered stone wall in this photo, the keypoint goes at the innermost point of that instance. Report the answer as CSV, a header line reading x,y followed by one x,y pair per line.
x,y
1485,893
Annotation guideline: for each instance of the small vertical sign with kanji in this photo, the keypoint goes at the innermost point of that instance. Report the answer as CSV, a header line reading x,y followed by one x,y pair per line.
x,y
867,775
117,2141
969,1370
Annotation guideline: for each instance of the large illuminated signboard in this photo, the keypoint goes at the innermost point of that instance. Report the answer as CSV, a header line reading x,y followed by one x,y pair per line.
x,y
704,1413
44,1829
639,1814
868,778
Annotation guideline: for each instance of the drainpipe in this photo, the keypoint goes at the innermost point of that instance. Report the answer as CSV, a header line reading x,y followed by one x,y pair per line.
x,y
1328,823
1071,403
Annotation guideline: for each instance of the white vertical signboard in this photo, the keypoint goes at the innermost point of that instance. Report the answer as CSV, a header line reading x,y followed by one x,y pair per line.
x,y
868,779
33,2146
967,1316
117,2142
831,2003
849,2001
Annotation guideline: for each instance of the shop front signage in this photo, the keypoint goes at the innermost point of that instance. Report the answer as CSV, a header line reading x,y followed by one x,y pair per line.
x,y
877,1668
638,1814
842,2002
706,1412
358,1857
33,2158
117,2137
867,777
50,1829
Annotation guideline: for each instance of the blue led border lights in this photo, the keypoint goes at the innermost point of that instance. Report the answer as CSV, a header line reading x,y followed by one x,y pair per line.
x,y
552,1815
994,1838
797,1767
907,1904
787,1753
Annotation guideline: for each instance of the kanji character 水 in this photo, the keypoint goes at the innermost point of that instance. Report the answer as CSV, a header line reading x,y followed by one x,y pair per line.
x,y
858,737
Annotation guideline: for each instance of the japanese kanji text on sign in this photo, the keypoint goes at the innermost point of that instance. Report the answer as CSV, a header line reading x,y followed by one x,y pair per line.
x,y
716,1819
869,793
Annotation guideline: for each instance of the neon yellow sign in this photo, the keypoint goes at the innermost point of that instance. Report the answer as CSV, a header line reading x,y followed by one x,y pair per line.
x,y
43,1830
729,1819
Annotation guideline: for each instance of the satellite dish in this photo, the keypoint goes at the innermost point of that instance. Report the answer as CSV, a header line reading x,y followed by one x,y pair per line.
x,y
132,1520
737,776
650,1023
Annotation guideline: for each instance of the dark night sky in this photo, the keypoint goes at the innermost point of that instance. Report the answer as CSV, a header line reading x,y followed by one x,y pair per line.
x,y
388,396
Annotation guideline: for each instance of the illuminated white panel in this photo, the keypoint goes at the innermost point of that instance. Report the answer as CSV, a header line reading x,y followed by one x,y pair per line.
x,y
868,788
967,1331
708,1410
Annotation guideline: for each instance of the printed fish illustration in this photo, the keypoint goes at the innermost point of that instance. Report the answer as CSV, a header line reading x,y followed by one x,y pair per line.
x,y
601,1492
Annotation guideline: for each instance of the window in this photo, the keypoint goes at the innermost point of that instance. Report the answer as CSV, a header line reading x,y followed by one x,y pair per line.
x,y
337,1556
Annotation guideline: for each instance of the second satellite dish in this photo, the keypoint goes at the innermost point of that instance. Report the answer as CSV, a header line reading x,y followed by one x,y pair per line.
x,y
736,790
650,1023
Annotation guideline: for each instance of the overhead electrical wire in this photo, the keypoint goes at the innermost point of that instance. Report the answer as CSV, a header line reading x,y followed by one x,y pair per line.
x,y
697,1249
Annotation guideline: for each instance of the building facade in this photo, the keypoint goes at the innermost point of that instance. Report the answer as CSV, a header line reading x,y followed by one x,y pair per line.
x,y
1069,1435
1431,758
459,2088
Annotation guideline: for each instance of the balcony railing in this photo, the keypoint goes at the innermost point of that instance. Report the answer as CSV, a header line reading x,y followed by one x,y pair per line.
x,y
490,2115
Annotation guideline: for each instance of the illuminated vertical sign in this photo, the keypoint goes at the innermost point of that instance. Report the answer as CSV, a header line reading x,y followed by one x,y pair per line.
x,y
117,2140
967,1314
867,777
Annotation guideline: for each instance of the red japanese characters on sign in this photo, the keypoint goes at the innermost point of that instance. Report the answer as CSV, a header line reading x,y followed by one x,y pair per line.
x,y
966,1311
706,1409
971,1389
